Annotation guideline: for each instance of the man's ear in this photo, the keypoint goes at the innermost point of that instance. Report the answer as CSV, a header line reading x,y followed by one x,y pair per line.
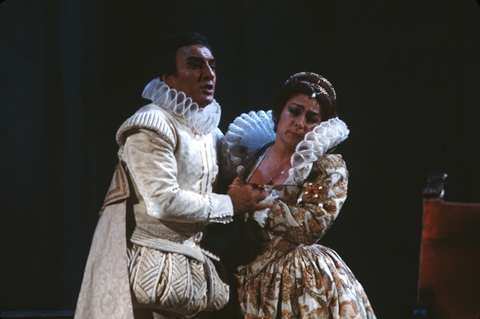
x,y
168,79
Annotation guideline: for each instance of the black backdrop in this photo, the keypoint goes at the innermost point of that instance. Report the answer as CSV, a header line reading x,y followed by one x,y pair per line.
x,y
406,73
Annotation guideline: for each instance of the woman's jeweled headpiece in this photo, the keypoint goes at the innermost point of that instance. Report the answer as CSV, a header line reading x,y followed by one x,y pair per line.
x,y
303,77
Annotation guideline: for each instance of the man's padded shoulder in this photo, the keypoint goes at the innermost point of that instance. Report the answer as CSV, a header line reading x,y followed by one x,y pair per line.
x,y
150,117
217,135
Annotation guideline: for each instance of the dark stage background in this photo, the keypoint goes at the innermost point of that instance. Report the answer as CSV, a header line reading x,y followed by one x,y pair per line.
x,y
407,75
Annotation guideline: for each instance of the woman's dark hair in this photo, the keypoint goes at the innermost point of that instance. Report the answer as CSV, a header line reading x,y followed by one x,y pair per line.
x,y
310,84
175,41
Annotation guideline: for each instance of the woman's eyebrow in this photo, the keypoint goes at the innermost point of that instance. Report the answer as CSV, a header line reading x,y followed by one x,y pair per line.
x,y
299,105
313,112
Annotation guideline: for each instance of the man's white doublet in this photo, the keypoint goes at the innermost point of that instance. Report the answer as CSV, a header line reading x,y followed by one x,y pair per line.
x,y
167,171
173,169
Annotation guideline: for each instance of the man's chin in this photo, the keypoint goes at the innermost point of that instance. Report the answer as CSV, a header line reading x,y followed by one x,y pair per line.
x,y
204,102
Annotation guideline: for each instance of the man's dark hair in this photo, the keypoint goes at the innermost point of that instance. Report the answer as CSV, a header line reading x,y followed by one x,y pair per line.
x,y
174,42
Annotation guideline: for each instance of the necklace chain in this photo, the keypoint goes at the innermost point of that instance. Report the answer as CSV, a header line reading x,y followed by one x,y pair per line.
x,y
270,171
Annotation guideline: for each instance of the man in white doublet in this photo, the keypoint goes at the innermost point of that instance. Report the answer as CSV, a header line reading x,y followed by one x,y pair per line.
x,y
145,260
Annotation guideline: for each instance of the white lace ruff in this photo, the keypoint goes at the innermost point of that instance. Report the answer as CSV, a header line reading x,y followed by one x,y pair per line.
x,y
251,131
202,120
315,144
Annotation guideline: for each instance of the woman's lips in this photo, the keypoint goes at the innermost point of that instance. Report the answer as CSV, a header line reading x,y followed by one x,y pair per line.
x,y
296,135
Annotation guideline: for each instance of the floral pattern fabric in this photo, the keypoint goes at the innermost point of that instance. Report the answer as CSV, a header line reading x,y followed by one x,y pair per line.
x,y
293,277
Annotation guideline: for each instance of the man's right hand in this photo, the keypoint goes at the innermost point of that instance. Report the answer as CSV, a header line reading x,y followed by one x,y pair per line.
x,y
245,198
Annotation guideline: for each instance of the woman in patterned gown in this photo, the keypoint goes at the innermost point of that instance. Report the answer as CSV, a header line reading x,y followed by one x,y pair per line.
x,y
282,272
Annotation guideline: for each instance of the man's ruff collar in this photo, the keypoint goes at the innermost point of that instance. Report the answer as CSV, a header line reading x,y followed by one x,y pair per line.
x,y
202,120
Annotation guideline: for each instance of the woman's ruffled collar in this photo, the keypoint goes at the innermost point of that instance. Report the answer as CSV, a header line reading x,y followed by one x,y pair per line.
x,y
251,131
315,144
202,120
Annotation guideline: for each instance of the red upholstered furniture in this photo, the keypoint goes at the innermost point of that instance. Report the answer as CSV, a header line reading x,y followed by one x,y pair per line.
x,y
449,276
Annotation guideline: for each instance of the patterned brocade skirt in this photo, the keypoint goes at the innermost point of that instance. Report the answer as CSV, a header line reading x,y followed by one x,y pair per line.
x,y
308,282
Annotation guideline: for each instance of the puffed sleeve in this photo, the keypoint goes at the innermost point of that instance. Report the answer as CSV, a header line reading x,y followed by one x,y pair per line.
x,y
305,216
153,166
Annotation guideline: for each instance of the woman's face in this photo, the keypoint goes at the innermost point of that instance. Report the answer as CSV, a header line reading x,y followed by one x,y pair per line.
x,y
299,116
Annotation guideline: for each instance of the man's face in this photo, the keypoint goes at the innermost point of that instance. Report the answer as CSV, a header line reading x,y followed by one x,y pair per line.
x,y
195,74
